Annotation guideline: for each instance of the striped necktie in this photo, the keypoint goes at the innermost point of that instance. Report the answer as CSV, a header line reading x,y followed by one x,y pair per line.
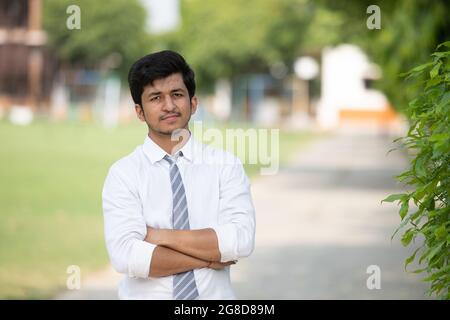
x,y
184,286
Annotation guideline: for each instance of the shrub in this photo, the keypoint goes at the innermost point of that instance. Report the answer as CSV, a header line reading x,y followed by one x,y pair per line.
x,y
424,211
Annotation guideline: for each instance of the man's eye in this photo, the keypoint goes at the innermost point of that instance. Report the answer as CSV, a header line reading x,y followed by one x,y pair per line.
x,y
155,98
178,94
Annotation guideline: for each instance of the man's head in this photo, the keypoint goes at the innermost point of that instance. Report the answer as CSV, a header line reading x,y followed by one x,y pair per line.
x,y
163,89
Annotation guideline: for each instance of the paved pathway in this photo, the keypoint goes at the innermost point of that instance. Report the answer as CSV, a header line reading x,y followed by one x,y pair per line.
x,y
320,224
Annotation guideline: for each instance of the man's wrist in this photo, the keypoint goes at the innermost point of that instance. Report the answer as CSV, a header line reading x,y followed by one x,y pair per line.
x,y
163,237
158,237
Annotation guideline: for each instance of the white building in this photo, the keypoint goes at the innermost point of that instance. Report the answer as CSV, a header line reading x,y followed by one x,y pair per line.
x,y
345,96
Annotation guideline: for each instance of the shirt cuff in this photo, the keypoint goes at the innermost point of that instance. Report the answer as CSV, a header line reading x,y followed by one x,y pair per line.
x,y
226,236
140,259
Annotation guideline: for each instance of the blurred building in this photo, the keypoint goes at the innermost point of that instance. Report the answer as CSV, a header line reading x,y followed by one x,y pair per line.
x,y
259,98
339,96
267,99
24,80
346,93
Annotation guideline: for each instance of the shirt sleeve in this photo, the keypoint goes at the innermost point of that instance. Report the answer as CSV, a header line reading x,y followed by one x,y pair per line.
x,y
236,227
125,227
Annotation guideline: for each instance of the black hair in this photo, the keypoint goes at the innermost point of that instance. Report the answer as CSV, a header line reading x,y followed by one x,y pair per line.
x,y
156,66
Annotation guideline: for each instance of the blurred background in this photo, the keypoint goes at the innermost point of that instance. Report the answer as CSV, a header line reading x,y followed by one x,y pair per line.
x,y
325,73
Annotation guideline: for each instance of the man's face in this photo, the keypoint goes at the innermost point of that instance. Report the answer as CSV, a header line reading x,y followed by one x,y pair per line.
x,y
166,105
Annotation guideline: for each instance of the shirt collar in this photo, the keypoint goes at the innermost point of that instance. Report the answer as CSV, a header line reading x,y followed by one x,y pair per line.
x,y
155,153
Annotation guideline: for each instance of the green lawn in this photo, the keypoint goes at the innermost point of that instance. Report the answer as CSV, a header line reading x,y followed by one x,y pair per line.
x,y
51,177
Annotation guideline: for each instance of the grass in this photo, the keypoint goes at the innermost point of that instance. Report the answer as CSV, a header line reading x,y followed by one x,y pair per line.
x,y
51,177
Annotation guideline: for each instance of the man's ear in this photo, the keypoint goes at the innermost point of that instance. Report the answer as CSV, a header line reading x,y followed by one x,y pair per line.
x,y
194,104
139,112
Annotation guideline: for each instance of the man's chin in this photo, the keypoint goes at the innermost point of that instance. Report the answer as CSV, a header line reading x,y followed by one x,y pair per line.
x,y
169,131
166,133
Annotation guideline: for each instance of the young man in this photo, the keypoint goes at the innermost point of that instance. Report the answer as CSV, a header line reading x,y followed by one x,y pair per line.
x,y
177,213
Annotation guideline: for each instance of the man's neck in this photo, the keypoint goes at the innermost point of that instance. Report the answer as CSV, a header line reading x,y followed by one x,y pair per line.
x,y
167,144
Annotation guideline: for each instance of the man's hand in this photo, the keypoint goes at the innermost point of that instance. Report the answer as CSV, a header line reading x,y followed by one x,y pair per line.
x,y
202,243
220,265
166,238
166,262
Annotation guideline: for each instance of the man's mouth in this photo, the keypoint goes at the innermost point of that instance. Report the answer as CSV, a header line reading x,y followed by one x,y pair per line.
x,y
170,116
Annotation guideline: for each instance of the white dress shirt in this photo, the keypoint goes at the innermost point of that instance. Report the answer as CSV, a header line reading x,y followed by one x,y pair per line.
x,y
137,193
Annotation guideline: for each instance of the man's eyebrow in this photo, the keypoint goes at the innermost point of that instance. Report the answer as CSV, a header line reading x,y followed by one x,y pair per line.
x,y
155,93
177,89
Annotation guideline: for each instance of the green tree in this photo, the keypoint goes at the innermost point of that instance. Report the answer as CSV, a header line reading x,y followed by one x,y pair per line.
x,y
229,38
107,27
410,32
224,39
425,210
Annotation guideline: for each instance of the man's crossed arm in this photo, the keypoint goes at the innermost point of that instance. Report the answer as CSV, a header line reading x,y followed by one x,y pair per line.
x,y
183,250
131,244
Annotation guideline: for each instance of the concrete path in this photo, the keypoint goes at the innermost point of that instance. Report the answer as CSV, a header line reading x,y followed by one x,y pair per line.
x,y
320,225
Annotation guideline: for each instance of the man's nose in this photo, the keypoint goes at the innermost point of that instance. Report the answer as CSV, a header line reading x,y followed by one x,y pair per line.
x,y
169,105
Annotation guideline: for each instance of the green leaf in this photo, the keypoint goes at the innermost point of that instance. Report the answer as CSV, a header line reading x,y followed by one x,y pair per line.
x,y
404,209
404,222
439,137
421,67
408,236
432,82
431,277
444,101
390,150
446,44
440,232
403,176
419,165
440,55
438,273
394,197
418,270
434,251
435,71
411,258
